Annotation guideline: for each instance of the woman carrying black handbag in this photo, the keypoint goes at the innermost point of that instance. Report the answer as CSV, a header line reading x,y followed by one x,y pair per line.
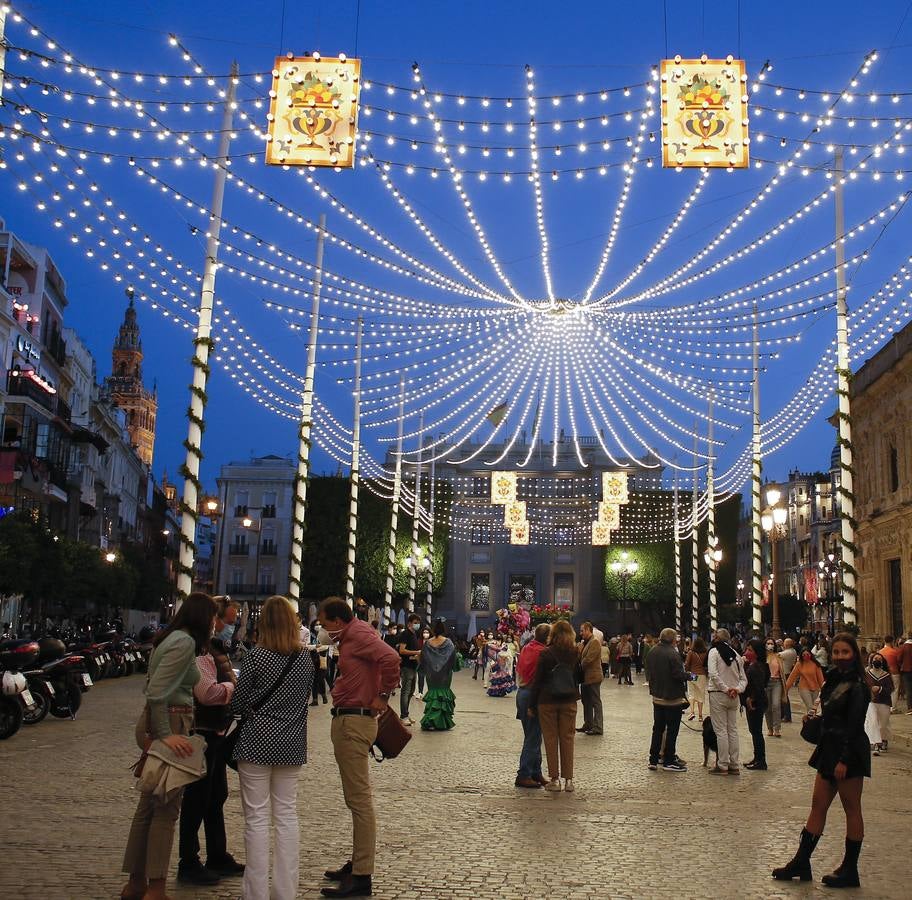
x,y
842,759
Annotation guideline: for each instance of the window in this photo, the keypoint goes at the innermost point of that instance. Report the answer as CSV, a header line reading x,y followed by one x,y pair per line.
x,y
894,469
42,436
269,504
241,500
563,589
480,594
268,544
267,581
236,583
522,589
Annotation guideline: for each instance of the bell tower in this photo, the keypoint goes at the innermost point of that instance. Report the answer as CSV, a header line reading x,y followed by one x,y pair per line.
x,y
126,389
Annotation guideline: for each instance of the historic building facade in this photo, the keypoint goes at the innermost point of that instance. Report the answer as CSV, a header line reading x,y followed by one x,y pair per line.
x,y
882,434
125,386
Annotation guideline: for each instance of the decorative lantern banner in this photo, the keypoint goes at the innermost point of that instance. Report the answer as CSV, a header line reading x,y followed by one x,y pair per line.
x,y
609,514
614,487
520,534
704,113
810,586
313,114
515,514
601,535
503,487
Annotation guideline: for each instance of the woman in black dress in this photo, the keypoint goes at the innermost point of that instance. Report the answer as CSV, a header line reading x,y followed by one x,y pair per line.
x,y
842,760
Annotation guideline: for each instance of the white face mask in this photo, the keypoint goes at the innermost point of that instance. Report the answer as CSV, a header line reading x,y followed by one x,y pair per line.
x,y
334,635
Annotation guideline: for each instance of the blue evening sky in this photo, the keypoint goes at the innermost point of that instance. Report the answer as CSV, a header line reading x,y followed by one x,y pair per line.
x,y
479,49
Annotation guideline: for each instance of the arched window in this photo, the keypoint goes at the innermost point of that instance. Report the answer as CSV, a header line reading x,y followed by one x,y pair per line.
x,y
122,369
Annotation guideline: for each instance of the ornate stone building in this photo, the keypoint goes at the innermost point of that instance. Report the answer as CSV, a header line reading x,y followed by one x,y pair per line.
x,y
882,432
125,387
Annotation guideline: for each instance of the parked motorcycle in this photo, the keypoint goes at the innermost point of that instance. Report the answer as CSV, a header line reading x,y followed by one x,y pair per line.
x,y
15,697
64,679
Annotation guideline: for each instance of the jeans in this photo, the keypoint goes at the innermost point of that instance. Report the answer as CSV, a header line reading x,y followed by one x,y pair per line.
x,y
808,698
558,725
269,797
420,681
203,804
352,737
724,712
591,695
755,724
774,705
530,758
407,679
666,722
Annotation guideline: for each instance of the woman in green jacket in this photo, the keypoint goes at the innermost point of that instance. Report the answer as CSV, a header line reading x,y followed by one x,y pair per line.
x,y
168,717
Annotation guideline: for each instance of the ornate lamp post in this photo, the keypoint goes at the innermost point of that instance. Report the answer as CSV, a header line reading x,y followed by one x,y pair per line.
x,y
829,571
740,592
773,521
254,525
624,568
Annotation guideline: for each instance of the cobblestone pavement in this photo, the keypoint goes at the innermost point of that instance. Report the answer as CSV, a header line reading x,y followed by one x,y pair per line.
x,y
452,825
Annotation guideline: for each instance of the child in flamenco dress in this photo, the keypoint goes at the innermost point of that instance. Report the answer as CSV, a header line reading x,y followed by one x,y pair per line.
x,y
502,682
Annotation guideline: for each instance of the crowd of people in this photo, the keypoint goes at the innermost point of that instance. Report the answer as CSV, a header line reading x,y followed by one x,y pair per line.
x,y
198,706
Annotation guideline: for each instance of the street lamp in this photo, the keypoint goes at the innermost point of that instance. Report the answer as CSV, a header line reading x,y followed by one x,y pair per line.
x,y
773,521
421,560
110,556
740,591
254,526
625,569
829,571
713,554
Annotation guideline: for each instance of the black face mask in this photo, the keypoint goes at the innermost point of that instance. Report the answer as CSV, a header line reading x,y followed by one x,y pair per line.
x,y
878,664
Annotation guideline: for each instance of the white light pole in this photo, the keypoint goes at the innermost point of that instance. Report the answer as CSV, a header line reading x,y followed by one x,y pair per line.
x,y
773,522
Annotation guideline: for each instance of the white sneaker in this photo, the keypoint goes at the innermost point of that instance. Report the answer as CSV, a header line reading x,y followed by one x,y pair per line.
x,y
553,785
419,696
568,785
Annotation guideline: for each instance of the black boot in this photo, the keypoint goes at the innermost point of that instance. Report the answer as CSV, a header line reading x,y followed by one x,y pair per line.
x,y
800,866
340,873
847,874
352,886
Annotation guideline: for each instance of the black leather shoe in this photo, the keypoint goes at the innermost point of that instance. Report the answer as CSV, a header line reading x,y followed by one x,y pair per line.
x,y
583,729
226,867
352,886
339,874
198,874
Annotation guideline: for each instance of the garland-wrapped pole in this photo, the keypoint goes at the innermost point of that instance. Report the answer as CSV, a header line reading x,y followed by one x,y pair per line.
x,y
679,603
355,473
756,502
429,598
844,413
305,426
202,344
711,538
416,521
695,546
394,515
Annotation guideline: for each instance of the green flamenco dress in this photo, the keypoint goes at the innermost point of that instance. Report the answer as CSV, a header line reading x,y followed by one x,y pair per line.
x,y
439,700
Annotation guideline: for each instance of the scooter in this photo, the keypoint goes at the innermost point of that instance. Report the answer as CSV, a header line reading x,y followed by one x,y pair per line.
x,y
58,681
15,697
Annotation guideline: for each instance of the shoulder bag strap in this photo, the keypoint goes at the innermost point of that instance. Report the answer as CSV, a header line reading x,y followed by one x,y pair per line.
x,y
274,686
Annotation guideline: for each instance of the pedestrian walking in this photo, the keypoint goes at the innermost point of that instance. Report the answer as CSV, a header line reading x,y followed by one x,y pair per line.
x,y
529,774
773,690
667,681
905,672
842,759
891,656
422,640
408,672
590,653
369,671
695,666
318,656
624,657
168,717
788,658
880,684
726,682
811,676
204,800
477,654
755,699
437,664
272,696
553,698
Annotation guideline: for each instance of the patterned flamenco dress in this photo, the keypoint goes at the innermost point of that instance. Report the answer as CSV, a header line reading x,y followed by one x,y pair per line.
x,y
502,682
438,662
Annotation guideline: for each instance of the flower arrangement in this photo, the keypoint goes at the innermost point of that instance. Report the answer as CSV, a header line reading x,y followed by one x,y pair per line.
x,y
514,618
551,612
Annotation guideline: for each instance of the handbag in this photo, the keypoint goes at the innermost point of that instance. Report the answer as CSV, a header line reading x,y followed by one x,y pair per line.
x,y
392,736
812,726
231,738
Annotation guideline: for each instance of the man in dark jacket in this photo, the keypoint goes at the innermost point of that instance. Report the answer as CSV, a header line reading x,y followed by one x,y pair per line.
x,y
667,682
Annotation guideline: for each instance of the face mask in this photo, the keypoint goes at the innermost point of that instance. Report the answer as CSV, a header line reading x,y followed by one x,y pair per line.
x,y
845,664
227,633
878,664
415,626
334,635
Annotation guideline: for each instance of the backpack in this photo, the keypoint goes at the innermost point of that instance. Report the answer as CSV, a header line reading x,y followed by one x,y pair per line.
x,y
562,683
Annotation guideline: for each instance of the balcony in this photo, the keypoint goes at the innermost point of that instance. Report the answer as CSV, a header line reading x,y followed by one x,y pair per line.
x,y
22,385
239,590
269,512
239,549
240,511
268,548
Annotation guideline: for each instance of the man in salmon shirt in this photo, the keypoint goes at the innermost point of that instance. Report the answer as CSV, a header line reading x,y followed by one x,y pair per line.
x,y
891,655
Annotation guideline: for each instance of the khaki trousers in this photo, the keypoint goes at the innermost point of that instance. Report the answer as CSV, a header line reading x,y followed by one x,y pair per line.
x,y
352,737
558,725
148,853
